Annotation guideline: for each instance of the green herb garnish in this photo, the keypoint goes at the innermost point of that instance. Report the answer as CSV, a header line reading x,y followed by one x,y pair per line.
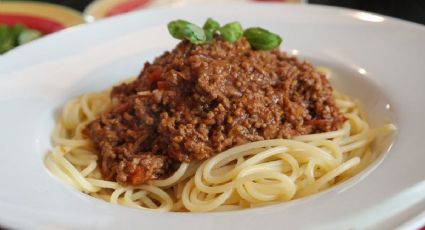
x,y
182,29
210,27
12,36
262,39
258,38
231,32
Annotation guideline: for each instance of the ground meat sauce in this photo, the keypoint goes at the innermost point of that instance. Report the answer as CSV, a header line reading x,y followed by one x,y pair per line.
x,y
199,100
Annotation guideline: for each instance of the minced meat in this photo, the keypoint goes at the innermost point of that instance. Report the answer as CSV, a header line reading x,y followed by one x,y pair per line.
x,y
199,100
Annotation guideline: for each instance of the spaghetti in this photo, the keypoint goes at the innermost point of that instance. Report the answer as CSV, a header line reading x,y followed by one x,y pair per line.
x,y
250,175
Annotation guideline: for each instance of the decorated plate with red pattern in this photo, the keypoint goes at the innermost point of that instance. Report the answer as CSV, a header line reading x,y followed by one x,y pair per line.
x,y
44,17
106,8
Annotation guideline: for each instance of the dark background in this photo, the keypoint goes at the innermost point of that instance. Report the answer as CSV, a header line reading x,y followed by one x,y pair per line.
x,y
412,10
408,10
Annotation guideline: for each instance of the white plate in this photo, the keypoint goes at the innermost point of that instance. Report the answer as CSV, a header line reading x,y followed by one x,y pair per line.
x,y
377,59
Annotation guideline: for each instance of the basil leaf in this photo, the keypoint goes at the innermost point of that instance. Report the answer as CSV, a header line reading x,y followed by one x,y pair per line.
x,y
261,39
231,32
210,27
177,28
196,35
182,29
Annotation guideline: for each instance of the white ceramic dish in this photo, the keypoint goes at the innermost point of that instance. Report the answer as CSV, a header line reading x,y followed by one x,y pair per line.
x,y
377,59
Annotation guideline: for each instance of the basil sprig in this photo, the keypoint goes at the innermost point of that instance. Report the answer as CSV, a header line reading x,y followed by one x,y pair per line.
x,y
258,38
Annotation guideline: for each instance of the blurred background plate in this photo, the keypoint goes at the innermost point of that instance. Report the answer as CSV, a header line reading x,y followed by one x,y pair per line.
x,y
106,8
44,17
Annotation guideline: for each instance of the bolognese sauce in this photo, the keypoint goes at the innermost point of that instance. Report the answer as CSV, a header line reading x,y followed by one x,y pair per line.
x,y
199,100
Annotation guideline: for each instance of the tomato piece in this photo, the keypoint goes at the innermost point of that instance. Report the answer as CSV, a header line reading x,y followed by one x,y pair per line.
x,y
155,75
161,85
137,176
